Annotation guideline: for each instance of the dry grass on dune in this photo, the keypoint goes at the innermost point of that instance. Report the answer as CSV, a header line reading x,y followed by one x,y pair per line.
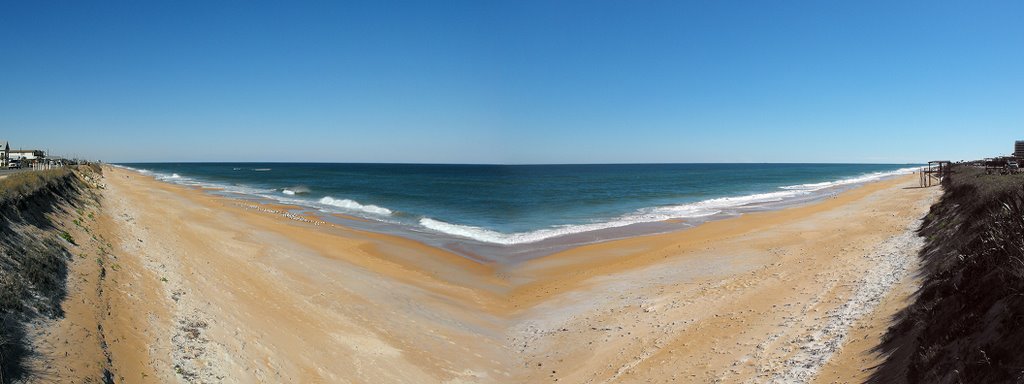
x,y
20,185
33,257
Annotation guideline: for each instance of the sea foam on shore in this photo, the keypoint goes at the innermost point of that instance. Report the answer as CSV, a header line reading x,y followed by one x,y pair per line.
x,y
700,209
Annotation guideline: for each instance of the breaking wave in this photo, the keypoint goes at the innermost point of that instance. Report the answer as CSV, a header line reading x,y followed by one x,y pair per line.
x,y
353,205
698,209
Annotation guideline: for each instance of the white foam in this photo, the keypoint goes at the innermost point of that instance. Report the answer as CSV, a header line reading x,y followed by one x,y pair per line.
x,y
175,178
142,171
296,190
698,209
495,237
650,215
172,178
853,180
239,189
347,205
353,205
712,206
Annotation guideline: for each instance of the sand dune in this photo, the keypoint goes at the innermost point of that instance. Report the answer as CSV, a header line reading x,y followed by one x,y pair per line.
x,y
211,289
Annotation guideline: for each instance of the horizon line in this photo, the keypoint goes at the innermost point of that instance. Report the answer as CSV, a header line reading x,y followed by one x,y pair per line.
x,y
499,164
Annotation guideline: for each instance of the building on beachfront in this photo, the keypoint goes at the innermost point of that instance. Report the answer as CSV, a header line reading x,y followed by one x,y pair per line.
x,y
1018,149
5,150
25,155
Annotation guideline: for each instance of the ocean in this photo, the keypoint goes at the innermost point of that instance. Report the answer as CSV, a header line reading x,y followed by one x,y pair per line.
x,y
498,212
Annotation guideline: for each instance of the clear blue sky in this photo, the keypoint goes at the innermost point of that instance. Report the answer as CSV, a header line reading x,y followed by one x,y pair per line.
x,y
513,82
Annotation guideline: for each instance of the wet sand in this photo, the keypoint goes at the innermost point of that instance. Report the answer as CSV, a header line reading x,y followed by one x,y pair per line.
x,y
213,289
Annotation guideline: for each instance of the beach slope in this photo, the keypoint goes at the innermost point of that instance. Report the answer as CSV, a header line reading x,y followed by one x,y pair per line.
x,y
213,289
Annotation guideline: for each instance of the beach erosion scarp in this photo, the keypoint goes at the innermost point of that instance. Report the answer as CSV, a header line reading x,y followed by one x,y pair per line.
x,y
964,325
41,220
213,289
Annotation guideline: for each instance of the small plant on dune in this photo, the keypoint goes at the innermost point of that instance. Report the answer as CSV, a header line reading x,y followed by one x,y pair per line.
x,y
11,291
67,237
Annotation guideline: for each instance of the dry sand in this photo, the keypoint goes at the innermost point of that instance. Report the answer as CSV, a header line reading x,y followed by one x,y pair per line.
x,y
210,289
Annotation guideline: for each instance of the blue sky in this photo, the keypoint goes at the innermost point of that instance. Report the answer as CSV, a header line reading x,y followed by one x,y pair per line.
x,y
513,82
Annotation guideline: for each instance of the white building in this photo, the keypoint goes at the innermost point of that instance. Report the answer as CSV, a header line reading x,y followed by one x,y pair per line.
x,y
5,150
24,155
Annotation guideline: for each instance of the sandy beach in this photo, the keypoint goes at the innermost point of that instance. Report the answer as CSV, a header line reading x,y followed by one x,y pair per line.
x,y
186,286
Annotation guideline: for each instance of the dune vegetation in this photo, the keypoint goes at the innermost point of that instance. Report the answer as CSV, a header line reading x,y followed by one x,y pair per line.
x,y
965,324
34,255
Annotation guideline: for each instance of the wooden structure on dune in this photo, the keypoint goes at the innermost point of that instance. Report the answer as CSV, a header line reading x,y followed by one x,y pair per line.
x,y
935,172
